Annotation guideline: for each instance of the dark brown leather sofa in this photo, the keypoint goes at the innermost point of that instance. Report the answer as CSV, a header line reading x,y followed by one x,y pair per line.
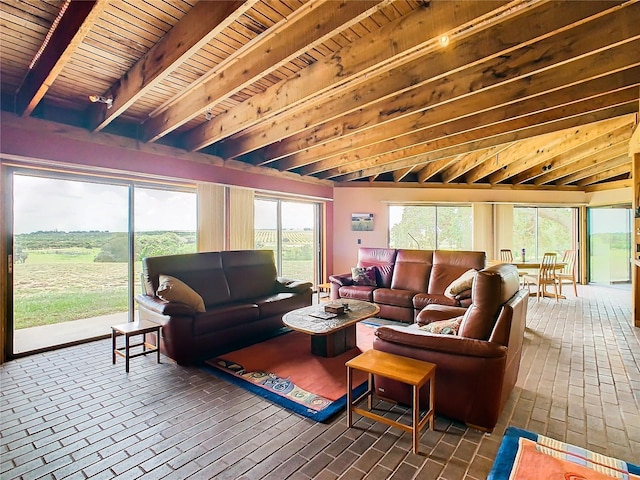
x,y
244,301
408,280
477,368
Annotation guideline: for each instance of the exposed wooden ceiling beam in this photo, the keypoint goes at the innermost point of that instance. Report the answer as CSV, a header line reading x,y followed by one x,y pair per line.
x,y
405,157
305,29
433,167
71,30
470,161
560,173
560,157
203,22
469,129
395,44
426,93
614,168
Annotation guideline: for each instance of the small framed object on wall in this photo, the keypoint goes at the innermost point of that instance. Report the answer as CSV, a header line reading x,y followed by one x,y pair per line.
x,y
362,222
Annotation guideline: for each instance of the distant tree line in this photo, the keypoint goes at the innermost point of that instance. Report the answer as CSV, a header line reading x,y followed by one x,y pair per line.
x,y
114,246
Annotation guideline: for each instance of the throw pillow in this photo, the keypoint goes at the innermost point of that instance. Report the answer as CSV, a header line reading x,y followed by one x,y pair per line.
x,y
173,290
444,327
364,276
460,284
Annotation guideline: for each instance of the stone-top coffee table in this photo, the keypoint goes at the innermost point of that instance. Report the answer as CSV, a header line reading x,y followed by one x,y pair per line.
x,y
331,336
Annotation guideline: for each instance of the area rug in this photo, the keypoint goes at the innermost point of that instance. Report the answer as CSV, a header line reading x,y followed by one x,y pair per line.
x,y
525,455
284,371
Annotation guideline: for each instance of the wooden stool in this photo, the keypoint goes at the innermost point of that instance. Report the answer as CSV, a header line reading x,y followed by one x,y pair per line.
x,y
128,330
403,369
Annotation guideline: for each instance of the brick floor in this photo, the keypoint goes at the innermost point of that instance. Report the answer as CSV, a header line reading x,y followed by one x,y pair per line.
x,y
69,413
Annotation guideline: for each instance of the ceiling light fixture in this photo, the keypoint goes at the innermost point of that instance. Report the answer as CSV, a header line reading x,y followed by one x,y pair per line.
x,y
108,101
444,40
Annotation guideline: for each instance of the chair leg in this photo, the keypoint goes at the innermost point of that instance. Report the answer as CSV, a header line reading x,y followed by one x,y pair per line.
x,y
575,287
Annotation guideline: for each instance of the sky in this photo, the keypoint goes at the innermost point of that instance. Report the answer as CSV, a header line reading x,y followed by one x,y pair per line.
x,y
43,204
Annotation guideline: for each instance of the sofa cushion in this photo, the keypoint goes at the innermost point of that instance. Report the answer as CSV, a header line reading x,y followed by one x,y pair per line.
x,y
172,289
250,273
364,276
421,300
443,327
448,265
357,292
460,284
278,304
202,270
225,316
412,270
393,296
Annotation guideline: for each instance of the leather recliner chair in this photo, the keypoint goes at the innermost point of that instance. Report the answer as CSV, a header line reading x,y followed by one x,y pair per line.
x,y
477,368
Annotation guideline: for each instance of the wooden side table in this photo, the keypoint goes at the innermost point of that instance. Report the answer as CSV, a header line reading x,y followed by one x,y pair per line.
x,y
403,369
130,329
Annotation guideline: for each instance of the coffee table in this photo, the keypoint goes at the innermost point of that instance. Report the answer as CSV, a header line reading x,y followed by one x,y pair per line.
x,y
333,336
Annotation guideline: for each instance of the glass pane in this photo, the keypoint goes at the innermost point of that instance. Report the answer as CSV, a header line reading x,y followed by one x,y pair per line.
x,y
298,234
524,233
265,226
71,260
412,226
165,223
609,245
555,230
539,230
454,228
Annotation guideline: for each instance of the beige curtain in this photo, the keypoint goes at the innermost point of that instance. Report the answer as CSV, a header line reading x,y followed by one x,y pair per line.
x,y
482,214
504,230
211,217
241,223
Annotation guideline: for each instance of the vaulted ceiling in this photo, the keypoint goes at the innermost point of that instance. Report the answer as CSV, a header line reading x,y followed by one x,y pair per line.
x,y
527,92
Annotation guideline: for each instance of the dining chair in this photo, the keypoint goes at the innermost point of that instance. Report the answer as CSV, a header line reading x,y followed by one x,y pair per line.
x,y
568,271
506,255
545,276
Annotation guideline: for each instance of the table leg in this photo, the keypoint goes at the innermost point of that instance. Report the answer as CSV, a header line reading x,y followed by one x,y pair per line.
x,y
113,346
416,418
370,390
126,352
158,344
349,398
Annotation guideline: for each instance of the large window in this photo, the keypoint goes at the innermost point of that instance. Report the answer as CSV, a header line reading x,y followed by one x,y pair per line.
x,y
429,227
538,230
77,257
291,230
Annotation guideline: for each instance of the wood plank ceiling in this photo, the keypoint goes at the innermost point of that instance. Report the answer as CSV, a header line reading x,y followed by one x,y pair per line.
x,y
532,93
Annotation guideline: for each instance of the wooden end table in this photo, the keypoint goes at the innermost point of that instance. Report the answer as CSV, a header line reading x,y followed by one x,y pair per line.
x,y
403,369
130,329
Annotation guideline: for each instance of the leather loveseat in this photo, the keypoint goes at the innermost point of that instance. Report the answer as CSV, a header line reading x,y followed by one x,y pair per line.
x,y
477,368
242,301
408,280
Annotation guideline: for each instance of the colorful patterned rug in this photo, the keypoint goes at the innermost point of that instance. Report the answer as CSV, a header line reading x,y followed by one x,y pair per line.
x,y
284,371
525,455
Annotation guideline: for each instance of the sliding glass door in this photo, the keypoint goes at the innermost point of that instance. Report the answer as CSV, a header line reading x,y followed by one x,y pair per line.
x,y
609,233
291,230
76,255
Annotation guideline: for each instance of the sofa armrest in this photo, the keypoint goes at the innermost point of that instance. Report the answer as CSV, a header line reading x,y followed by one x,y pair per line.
x,y
342,279
435,313
289,285
162,307
448,344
